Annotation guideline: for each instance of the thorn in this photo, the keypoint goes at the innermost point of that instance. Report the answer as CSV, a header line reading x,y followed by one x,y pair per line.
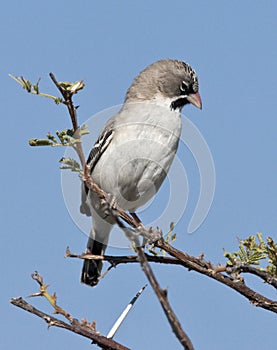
x,y
39,294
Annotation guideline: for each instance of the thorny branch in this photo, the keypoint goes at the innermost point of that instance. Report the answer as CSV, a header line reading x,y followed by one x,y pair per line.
x,y
83,328
207,269
200,265
98,339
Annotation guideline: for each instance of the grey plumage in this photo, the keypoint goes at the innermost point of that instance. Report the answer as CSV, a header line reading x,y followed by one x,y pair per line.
x,y
135,149
163,77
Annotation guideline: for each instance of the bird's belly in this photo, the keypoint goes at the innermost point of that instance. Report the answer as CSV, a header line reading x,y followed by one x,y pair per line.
x,y
135,168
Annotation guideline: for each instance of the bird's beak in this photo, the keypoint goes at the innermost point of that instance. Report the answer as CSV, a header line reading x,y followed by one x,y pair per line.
x,y
195,100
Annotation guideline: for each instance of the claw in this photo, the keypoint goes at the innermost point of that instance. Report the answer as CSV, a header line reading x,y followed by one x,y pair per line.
x,y
108,204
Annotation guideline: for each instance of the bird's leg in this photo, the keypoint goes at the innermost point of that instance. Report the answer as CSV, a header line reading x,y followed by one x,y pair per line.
x,y
136,218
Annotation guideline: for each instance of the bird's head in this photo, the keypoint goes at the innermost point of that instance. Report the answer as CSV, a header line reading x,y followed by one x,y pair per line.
x,y
169,82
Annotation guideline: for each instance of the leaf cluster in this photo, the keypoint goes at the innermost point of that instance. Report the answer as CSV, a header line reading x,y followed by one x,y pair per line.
x,y
34,88
62,138
70,87
252,251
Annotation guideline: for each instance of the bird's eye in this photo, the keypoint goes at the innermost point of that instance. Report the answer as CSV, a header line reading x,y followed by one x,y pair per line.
x,y
184,86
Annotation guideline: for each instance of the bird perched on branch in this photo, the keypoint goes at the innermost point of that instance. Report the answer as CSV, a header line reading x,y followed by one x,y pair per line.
x,y
135,149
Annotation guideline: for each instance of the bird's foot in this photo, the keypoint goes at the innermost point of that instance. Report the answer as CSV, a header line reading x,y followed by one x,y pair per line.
x,y
109,205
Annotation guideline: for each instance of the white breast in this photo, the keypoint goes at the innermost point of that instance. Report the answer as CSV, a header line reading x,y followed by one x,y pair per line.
x,y
138,158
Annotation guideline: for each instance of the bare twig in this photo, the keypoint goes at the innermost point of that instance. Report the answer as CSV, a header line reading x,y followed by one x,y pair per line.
x,y
75,327
67,95
124,259
43,292
162,296
265,276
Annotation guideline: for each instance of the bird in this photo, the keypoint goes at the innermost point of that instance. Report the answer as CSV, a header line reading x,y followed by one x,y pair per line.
x,y
135,149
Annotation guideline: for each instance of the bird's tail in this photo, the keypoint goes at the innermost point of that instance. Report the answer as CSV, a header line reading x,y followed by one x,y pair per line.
x,y
92,268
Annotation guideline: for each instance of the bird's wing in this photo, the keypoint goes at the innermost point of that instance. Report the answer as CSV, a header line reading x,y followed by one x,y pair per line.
x,y
103,141
99,148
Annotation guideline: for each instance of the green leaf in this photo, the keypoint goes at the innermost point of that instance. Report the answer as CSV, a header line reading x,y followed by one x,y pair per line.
x,y
70,164
39,142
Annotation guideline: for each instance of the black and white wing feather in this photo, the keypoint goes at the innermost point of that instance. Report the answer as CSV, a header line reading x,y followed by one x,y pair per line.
x,y
96,152
99,148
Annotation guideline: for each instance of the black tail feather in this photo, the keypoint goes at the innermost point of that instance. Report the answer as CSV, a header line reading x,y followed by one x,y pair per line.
x,y
92,268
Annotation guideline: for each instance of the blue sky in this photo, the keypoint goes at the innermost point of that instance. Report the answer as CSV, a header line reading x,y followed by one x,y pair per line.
x,y
232,46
